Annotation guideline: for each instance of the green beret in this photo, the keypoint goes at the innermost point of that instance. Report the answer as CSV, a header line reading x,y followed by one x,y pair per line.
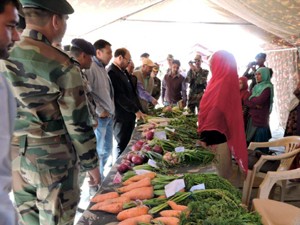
x,y
61,7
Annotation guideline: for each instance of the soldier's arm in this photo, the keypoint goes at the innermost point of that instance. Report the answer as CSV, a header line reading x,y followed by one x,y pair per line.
x,y
75,113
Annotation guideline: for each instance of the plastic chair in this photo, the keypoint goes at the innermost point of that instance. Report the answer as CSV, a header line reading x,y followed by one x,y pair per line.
x,y
280,162
274,212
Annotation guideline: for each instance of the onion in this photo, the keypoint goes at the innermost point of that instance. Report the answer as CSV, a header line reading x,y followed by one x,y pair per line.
x,y
150,135
137,160
123,167
140,142
136,147
146,148
130,155
126,161
157,149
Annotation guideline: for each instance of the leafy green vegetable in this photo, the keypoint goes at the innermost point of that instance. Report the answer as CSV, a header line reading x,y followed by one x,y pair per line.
x,y
211,181
217,207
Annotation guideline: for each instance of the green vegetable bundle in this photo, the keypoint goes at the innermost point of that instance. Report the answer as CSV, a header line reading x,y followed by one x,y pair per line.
x,y
211,181
217,207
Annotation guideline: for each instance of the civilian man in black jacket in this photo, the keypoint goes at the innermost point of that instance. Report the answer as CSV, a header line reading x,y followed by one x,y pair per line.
x,y
126,99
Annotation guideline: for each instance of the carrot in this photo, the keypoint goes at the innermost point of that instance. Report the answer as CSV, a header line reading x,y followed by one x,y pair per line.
x,y
133,212
151,175
170,213
110,208
136,220
167,220
145,182
128,182
113,200
162,196
175,206
140,193
103,197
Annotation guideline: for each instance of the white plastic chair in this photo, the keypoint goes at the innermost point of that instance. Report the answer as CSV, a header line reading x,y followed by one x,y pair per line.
x,y
285,159
274,212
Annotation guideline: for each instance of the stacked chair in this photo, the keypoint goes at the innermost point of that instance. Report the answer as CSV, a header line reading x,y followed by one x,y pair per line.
x,y
260,166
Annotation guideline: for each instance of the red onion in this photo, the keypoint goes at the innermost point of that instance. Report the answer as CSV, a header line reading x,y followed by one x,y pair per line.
x,y
157,149
150,135
123,167
137,160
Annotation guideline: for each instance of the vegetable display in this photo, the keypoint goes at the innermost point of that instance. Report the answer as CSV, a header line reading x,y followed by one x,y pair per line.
x,y
151,193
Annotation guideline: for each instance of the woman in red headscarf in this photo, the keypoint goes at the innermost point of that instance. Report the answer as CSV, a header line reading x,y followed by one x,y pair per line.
x,y
220,121
245,94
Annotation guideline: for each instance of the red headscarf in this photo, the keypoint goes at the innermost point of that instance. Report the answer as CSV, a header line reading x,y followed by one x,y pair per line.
x,y
221,109
244,93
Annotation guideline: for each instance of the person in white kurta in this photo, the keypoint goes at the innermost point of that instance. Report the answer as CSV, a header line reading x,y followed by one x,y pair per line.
x,y
8,35
7,115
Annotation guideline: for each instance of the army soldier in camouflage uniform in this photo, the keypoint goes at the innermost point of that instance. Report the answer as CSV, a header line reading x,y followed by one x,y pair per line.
x,y
52,129
197,78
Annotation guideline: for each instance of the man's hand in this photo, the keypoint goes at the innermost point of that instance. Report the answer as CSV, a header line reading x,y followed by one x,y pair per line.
x,y
140,115
95,178
154,101
104,114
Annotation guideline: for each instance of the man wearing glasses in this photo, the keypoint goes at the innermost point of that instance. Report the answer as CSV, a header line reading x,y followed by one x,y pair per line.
x,y
128,107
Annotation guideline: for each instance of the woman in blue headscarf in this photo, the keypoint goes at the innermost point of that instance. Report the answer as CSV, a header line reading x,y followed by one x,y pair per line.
x,y
260,106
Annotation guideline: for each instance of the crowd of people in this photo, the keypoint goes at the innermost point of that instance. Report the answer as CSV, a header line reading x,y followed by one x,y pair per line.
x,y
62,108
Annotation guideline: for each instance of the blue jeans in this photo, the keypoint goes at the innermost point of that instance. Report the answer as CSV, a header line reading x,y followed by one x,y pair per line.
x,y
104,135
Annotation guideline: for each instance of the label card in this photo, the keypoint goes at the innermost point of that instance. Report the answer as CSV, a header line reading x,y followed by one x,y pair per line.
x,y
152,163
140,172
179,149
160,135
198,187
173,187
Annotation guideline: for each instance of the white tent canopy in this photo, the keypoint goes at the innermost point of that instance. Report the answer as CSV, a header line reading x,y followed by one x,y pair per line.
x,y
179,27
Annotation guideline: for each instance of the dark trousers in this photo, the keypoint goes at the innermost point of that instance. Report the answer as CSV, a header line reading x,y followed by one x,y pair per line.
x,y
122,132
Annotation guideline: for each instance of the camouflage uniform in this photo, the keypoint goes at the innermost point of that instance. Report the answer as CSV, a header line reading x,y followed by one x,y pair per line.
x,y
198,82
157,88
52,131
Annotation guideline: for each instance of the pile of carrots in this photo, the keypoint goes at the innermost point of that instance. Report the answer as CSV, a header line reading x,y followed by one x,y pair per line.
x,y
138,187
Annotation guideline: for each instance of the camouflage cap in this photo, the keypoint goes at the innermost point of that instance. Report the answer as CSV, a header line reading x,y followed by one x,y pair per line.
x,y
83,45
61,7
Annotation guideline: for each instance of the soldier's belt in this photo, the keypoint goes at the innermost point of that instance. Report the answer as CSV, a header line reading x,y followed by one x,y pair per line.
x,y
38,141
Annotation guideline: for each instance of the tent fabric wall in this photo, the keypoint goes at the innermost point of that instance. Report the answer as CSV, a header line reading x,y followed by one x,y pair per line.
x,y
280,18
286,66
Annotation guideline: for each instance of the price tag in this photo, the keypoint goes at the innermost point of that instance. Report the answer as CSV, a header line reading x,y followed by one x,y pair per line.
x,y
170,129
152,163
198,187
173,187
160,135
179,149
140,172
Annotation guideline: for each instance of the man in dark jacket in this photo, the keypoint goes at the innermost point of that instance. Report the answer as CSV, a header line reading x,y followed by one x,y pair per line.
x,y
127,107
